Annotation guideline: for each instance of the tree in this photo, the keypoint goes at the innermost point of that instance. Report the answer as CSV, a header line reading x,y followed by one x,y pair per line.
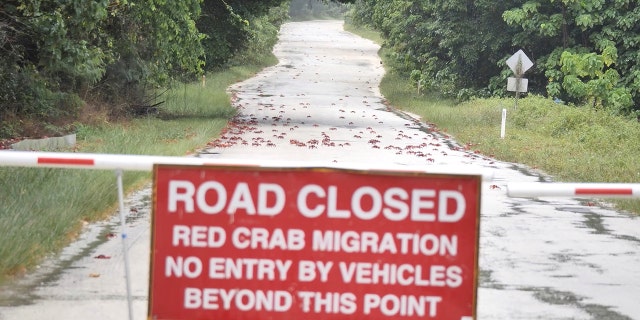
x,y
458,47
54,50
154,41
451,46
228,26
583,35
57,53
588,77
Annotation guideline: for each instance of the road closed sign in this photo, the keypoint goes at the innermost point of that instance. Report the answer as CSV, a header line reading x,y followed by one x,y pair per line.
x,y
312,243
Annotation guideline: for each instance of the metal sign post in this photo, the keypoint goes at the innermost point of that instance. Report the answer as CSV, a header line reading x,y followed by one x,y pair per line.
x,y
519,64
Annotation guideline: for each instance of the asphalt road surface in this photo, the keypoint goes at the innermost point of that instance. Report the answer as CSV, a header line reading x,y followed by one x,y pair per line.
x,y
540,258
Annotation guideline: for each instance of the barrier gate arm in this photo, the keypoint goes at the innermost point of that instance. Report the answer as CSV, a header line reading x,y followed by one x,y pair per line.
x,y
91,160
573,190
126,162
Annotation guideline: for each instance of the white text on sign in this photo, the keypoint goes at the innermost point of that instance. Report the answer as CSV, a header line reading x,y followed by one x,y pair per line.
x,y
394,204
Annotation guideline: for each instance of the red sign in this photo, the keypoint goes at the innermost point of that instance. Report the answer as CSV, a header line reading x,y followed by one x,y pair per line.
x,y
260,243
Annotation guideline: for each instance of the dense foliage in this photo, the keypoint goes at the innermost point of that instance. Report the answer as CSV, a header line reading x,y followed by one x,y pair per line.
x,y
57,55
584,51
234,26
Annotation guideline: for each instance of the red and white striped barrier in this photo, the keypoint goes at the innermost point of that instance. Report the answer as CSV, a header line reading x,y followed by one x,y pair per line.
x,y
91,160
99,161
579,190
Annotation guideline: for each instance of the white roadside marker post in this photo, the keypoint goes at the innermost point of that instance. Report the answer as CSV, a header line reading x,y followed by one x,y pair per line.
x,y
503,125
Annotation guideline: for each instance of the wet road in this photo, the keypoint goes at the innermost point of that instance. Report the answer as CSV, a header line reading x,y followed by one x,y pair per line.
x,y
539,258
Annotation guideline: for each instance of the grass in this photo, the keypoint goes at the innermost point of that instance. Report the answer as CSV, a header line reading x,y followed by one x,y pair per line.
x,y
570,143
364,32
43,209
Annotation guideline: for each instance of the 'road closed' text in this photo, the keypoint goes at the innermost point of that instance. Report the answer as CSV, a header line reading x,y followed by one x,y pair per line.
x,y
313,201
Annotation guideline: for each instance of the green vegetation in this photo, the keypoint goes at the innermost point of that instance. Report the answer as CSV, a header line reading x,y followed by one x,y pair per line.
x,y
112,72
59,58
43,209
238,29
584,52
571,143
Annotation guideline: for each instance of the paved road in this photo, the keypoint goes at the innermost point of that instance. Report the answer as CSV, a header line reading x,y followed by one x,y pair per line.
x,y
539,259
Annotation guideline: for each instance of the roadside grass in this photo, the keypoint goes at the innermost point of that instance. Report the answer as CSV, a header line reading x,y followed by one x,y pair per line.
x,y
569,143
192,100
364,32
43,209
